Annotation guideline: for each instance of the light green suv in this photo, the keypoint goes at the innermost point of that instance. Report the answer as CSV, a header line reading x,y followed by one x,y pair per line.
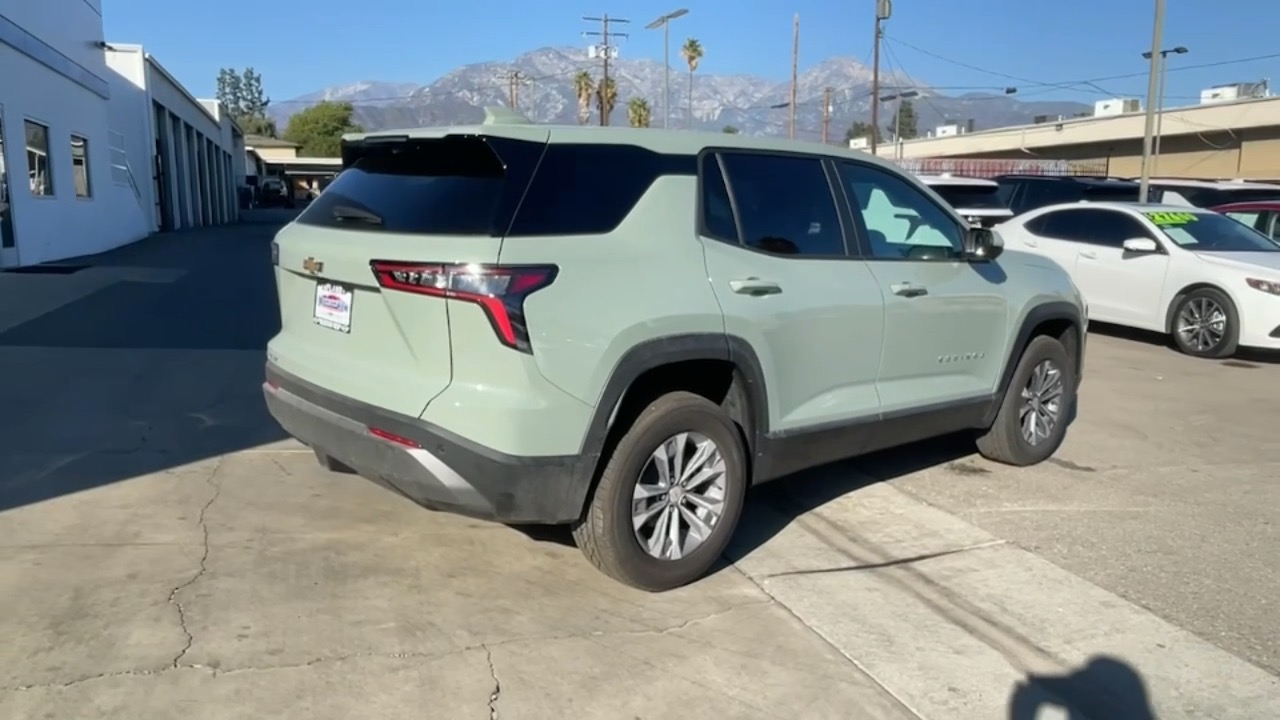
x,y
624,330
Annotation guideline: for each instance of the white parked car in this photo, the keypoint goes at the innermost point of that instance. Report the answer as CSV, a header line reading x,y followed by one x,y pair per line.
x,y
976,199
1209,281
1209,193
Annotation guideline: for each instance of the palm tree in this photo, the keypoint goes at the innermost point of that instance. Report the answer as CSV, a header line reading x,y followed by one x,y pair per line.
x,y
692,52
638,112
608,96
585,87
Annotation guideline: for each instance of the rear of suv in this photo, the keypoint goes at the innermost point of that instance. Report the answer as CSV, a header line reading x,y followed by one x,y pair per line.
x,y
1028,192
623,330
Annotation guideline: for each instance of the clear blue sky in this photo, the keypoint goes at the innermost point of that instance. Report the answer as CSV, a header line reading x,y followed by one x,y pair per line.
x,y
303,46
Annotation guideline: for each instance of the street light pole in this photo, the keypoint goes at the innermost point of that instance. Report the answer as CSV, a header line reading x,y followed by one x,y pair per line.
x,y
665,23
1157,36
1164,72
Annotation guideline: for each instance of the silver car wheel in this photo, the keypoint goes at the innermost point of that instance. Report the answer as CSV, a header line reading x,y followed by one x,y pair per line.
x,y
1041,402
679,496
1202,324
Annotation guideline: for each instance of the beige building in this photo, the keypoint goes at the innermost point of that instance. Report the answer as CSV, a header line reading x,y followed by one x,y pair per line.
x,y
1222,139
272,157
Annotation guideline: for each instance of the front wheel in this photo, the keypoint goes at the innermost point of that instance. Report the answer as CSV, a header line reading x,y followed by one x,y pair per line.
x,y
1206,325
1032,421
669,497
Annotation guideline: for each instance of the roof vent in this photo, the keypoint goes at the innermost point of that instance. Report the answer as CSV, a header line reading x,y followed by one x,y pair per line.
x,y
499,115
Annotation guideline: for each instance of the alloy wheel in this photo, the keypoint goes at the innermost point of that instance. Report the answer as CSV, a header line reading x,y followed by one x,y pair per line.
x,y
679,497
1041,402
1202,324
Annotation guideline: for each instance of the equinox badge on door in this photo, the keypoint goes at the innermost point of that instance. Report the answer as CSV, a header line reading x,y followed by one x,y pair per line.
x,y
313,266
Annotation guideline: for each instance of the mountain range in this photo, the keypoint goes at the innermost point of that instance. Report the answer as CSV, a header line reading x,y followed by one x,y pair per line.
x,y
546,95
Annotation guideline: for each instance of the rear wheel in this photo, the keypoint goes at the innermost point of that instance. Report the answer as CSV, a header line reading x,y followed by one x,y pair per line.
x,y
669,497
1032,421
1206,325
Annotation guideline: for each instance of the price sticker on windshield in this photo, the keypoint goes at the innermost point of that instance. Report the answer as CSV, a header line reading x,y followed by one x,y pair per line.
x,y
1167,218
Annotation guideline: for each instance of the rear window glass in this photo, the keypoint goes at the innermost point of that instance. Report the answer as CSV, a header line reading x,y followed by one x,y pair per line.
x,y
446,186
983,197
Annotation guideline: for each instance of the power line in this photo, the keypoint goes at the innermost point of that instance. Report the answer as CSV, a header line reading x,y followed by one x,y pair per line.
x,y
514,79
894,58
435,93
1007,76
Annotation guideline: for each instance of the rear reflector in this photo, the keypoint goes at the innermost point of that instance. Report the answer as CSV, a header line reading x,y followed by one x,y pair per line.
x,y
499,290
392,437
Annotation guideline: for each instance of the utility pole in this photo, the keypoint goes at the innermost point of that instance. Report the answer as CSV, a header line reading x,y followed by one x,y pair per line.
x,y
795,69
606,49
1157,38
884,8
514,79
826,112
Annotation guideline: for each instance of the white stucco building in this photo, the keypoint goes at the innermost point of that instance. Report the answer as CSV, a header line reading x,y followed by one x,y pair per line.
x,y
99,146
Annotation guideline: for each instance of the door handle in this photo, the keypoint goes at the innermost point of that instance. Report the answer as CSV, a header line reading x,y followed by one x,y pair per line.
x,y
906,289
1089,254
755,286
1031,243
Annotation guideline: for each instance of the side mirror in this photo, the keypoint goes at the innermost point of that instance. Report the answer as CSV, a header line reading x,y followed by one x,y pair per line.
x,y
982,244
1141,246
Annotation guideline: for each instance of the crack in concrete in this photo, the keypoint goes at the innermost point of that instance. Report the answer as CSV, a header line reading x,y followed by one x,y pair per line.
x,y
487,647
204,560
497,686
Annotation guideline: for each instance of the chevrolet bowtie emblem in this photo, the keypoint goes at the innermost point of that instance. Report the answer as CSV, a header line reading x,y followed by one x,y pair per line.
x,y
313,266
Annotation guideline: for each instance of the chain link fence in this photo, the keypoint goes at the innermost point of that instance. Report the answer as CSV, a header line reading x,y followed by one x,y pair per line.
x,y
990,167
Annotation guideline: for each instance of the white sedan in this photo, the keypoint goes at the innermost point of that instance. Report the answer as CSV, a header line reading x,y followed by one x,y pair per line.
x,y
1209,281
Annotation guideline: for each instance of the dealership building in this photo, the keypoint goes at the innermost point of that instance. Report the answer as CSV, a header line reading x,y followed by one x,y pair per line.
x,y
99,145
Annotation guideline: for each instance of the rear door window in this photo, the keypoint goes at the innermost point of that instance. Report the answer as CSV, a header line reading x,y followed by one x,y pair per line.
x,y
785,204
461,185
585,189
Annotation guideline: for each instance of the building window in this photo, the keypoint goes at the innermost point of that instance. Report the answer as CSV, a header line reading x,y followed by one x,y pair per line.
x,y
80,166
39,174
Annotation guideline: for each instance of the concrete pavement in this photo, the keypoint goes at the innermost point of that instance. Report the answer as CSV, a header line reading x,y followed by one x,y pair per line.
x,y
165,549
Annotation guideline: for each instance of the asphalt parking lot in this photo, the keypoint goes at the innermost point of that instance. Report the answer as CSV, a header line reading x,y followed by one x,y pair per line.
x,y
166,550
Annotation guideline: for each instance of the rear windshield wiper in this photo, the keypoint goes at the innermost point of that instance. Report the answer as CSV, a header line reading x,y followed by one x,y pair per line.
x,y
347,213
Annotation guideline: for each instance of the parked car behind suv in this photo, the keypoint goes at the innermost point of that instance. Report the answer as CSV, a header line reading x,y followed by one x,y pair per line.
x,y
622,330
1028,192
1207,280
976,199
1209,193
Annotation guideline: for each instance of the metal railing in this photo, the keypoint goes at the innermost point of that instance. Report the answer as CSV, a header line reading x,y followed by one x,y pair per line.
x,y
992,167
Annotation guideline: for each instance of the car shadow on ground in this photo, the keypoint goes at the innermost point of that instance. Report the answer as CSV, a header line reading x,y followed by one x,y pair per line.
x,y
1244,357
158,364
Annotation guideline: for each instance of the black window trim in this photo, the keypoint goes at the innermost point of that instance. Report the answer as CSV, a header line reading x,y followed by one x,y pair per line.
x,y
1086,207
719,151
864,242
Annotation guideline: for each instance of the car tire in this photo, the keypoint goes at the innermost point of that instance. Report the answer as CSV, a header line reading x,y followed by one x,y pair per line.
x,y
606,534
1007,440
1213,302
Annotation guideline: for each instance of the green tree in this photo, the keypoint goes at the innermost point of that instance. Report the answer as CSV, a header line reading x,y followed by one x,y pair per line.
x,y
860,129
639,114
585,87
904,121
692,53
231,92
319,128
241,93
607,96
730,130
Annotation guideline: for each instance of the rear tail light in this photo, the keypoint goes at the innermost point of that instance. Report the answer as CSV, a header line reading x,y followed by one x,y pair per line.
x,y
499,290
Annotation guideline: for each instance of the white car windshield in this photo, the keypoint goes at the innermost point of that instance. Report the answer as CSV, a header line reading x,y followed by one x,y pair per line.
x,y
1210,232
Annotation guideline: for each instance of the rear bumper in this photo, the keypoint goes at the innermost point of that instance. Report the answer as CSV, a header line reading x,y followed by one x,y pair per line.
x,y
428,464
